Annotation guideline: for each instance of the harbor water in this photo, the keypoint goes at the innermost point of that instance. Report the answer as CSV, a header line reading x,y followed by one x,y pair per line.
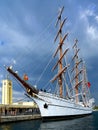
x,y
84,123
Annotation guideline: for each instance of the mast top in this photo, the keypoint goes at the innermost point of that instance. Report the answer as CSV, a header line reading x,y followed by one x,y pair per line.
x,y
59,15
75,44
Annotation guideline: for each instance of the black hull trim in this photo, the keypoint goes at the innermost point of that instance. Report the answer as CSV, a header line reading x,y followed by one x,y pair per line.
x,y
58,118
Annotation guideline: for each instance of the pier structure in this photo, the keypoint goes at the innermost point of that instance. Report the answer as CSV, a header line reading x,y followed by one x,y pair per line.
x,y
11,111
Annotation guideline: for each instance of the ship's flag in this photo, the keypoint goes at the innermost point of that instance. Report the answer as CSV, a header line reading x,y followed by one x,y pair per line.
x,y
88,84
25,77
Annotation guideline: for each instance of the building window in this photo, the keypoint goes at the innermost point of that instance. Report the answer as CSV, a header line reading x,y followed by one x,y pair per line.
x,y
4,83
9,83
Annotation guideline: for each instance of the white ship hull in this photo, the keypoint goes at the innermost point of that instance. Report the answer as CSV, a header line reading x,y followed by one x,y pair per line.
x,y
53,107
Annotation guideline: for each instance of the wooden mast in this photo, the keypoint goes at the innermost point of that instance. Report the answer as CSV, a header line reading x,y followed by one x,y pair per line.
x,y
61,69
77,72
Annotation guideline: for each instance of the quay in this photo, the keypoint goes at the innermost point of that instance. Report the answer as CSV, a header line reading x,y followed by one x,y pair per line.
x,y
6,119
15,113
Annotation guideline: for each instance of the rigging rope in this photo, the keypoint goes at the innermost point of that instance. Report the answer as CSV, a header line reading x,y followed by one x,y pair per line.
x,y
69,75
28,48
44,71
36,41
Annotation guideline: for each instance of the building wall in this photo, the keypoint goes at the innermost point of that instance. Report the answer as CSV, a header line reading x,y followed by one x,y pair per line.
x,y
6,91
34,105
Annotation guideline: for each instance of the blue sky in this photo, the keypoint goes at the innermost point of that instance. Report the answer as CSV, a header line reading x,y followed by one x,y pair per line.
x,y
27,31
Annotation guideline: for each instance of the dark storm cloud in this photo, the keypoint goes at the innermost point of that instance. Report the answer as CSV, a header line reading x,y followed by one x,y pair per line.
x,y
27,32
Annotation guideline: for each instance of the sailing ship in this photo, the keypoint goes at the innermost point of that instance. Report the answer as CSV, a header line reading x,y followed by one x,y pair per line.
x,y
77,101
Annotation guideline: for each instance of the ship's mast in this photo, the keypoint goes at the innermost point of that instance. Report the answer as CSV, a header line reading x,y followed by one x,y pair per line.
x,y
76,70
85,88
59,50
60,63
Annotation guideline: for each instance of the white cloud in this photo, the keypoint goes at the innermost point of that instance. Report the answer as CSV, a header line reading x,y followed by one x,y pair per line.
x,y
13,61
18,95
90,30
96,18
85,13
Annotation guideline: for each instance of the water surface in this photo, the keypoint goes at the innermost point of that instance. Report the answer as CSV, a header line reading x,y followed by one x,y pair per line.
x,y
85,123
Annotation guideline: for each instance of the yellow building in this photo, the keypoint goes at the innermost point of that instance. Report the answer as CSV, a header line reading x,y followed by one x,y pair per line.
x,y
7,91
